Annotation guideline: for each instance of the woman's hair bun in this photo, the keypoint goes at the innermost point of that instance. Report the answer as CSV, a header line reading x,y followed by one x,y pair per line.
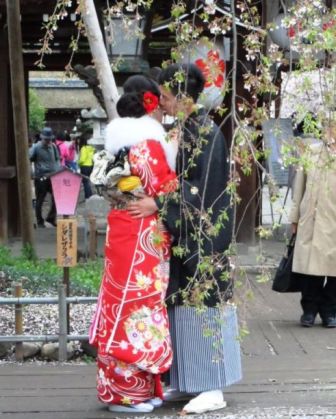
x,y
141,84
131,105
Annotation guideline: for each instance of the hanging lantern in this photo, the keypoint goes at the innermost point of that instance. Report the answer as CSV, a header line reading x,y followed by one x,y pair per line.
x,y
294,39
281,35
210,59
122,39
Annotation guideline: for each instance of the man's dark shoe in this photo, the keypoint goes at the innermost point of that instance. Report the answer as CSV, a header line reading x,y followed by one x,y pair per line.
x,y
41,225
52,222
307,319
329,321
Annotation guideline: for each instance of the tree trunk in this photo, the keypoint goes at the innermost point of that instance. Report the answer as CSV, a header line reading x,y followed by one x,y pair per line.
x,y
20,121
100,58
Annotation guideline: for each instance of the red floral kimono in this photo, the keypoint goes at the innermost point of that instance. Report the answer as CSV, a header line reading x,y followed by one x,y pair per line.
x,y
130,327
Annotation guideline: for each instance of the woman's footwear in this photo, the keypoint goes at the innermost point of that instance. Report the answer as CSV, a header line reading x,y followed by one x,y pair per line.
x,y
206,402
131,408
156,402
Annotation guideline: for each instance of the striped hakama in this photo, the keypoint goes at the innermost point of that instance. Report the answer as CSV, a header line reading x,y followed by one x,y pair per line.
x,y
206,348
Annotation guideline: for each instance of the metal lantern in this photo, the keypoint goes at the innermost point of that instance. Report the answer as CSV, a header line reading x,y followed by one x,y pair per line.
x,y
282,37
124,38
121,40
280,34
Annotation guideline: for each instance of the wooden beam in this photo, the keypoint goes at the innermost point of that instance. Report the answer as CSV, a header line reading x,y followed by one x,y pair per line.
x,y
20,120
55,62
4,117
8,172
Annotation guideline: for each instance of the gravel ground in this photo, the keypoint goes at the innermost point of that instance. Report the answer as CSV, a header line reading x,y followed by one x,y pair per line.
x,y
42,319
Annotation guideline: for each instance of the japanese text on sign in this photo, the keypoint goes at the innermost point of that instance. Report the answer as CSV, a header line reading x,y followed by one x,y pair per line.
x,y
67,242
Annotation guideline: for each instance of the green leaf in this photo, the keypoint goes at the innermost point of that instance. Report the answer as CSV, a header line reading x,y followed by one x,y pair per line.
x,y
37,112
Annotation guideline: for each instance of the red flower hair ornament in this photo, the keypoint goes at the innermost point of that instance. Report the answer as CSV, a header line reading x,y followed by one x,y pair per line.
x,y
150,102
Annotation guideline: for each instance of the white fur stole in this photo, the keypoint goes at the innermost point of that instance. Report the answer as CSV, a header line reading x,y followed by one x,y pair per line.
x,y
125,132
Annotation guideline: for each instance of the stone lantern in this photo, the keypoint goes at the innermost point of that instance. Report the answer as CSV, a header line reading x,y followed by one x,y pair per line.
x,y
98,119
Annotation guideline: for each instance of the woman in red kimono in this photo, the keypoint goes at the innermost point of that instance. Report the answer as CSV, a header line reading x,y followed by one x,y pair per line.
x,y
130,327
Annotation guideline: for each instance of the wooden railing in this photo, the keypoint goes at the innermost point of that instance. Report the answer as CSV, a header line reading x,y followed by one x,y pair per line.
x,y
62,337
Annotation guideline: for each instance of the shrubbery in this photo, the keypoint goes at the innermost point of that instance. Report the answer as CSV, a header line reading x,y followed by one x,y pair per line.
x,y
43,275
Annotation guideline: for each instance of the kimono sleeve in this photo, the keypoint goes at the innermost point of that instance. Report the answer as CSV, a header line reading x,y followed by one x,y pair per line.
x,y
149,163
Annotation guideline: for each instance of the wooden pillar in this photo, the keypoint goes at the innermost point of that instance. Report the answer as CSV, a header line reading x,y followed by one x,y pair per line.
x,y
4,117
20,120
9,209
3,138
248,209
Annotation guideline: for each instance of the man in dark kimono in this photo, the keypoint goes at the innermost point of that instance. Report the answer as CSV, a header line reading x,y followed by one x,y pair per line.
x,y
200,219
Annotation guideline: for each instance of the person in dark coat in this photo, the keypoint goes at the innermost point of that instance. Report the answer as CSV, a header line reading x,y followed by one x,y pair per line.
x,y
46,159
200,286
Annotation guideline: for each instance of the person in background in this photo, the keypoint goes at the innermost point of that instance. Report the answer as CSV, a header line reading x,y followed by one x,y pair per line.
x,y
85,162
313,218
71,144
31,144
46,159
62,148
198,303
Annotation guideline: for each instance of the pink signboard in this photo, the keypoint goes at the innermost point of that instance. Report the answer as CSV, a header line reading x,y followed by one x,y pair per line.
x,y
66,187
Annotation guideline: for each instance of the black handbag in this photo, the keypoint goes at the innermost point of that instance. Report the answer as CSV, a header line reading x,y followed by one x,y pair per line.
x,y
284,279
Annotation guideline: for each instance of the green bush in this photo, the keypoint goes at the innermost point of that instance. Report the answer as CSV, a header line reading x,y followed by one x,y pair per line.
x,y
44,275
37,112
